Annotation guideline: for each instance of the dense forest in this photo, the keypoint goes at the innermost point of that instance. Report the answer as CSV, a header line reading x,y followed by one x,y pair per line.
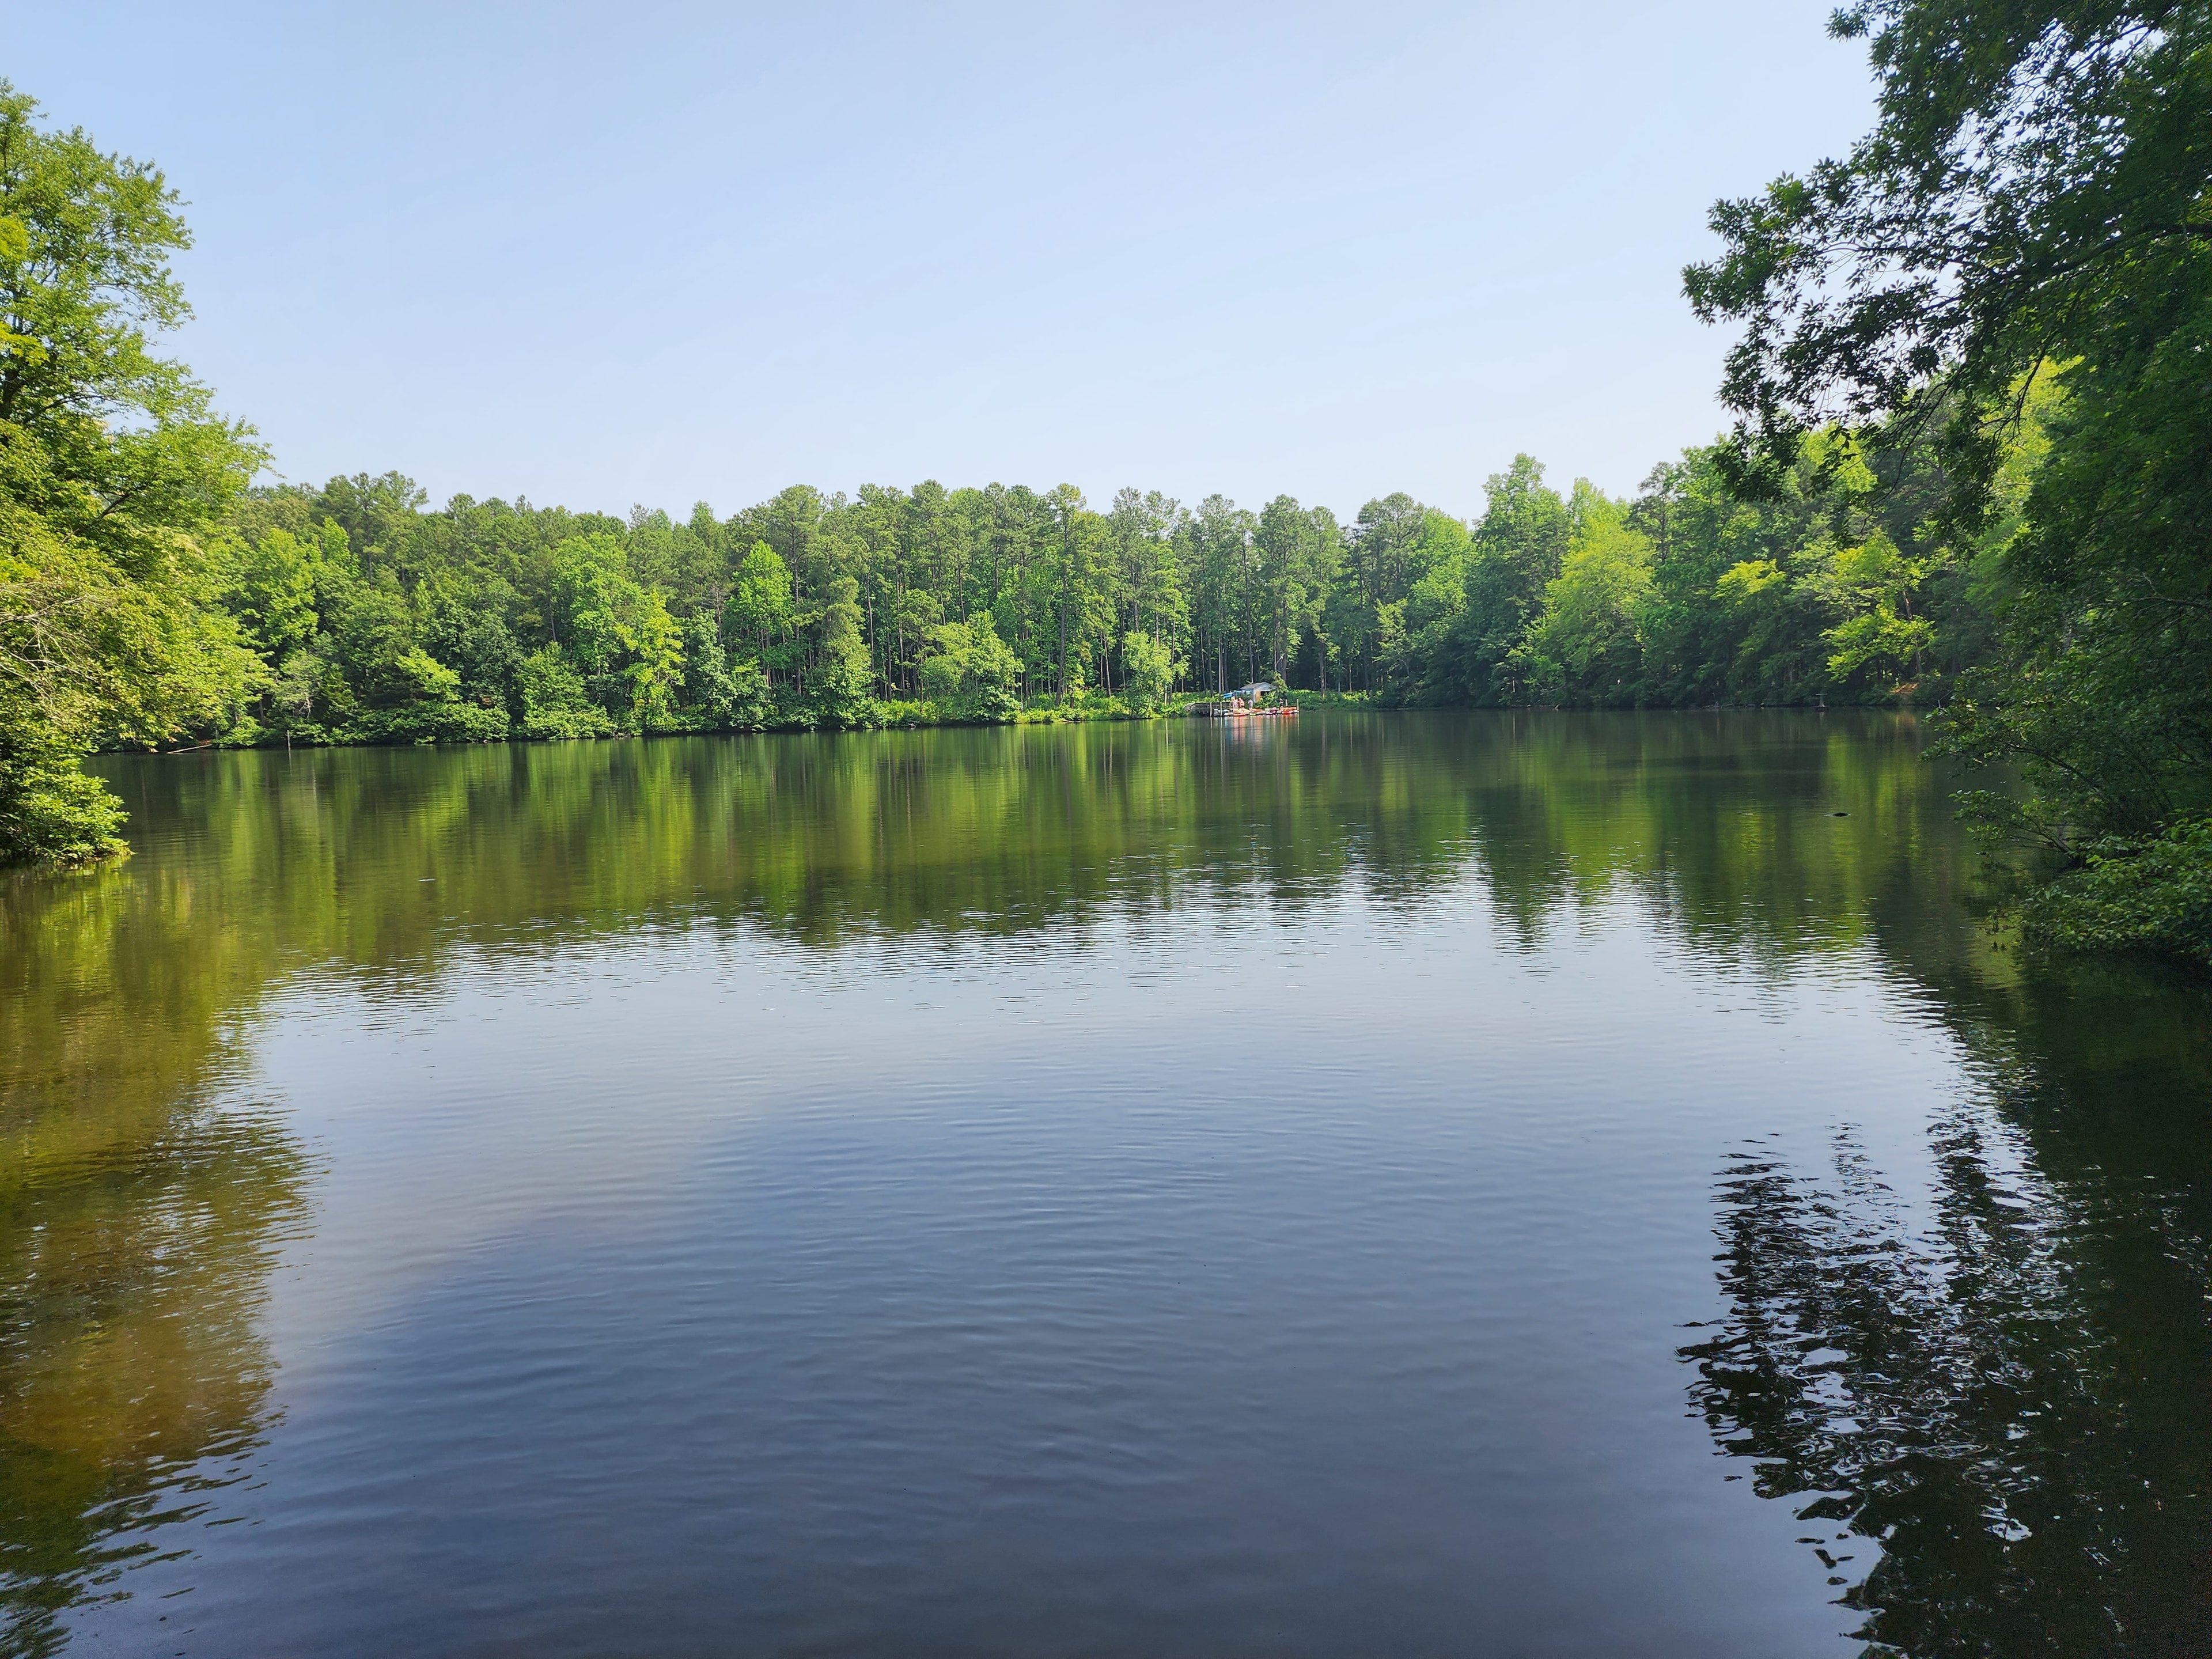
x,y
1972,471
370,618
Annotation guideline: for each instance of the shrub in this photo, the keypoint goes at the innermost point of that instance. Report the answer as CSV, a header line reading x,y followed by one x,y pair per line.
x,y
2152,893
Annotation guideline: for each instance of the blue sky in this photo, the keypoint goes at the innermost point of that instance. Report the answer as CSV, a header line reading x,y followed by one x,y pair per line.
x,y
607,255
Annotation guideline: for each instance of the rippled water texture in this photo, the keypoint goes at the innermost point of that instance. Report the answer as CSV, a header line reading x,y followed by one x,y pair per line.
x,y
1416,1184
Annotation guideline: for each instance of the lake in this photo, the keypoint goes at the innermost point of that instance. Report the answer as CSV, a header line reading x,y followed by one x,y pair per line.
x,y
1514,1183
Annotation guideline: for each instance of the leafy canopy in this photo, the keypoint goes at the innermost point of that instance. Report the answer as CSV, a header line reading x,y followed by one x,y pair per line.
x,y
114,472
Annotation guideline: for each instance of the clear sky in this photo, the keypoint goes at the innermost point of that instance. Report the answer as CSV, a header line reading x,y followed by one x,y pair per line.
x,y
614,254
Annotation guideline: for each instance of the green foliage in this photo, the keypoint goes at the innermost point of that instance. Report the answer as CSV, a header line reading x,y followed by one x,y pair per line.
x,y
272,592
970,672
437,721
427,707
112,472
1873,583
2153,893
655,651
758,616
943,671
51,811
814,609
554,701
1153,671
1585,646
428,679
838,687
2015,267
725,695
1519,547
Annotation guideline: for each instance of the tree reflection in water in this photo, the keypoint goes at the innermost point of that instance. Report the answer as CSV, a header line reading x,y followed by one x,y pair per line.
x,y
1989,1409
138,1221
1999,1401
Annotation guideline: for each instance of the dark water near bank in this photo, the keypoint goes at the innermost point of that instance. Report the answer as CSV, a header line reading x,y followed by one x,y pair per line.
x,y
1455,1184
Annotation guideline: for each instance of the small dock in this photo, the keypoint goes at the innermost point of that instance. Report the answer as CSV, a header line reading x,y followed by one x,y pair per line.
x,y
1246,702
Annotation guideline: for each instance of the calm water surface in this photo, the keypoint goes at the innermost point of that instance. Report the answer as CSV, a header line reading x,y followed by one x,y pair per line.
x,y
1458,1184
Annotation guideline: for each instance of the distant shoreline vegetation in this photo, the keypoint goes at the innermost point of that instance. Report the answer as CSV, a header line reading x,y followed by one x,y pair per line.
x,y
371,619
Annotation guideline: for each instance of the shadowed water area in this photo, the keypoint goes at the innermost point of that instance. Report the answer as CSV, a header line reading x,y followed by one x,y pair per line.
x,y
1535,1184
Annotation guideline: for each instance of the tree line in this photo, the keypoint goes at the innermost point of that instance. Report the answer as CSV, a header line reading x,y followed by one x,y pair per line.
x,y
370,617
